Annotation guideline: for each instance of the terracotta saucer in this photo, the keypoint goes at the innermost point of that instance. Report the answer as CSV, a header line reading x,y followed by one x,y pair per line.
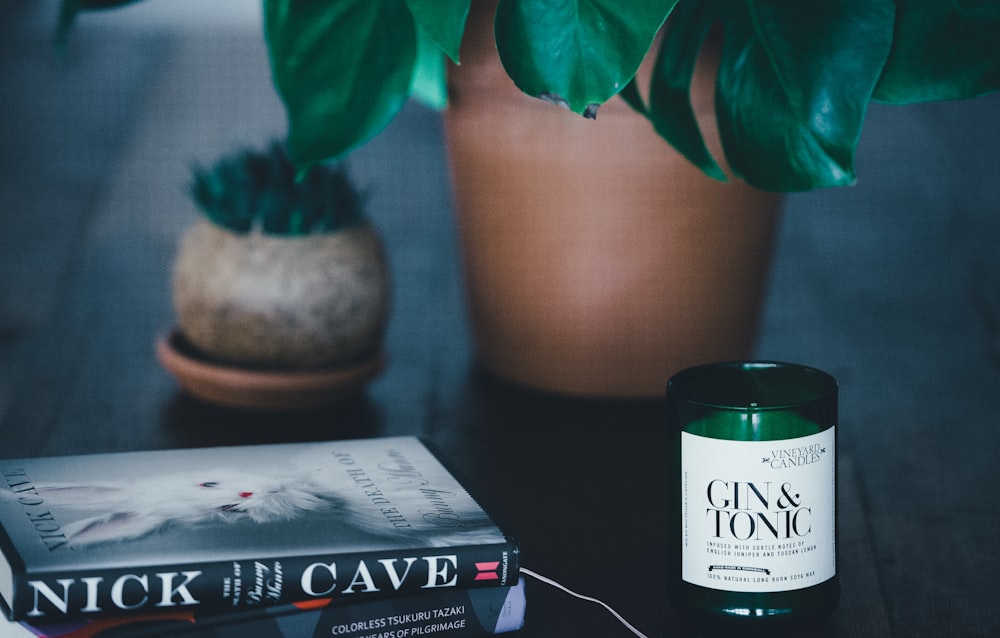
x,y
262,389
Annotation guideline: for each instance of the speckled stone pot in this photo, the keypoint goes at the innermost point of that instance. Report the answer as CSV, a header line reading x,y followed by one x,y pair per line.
x,y
282,302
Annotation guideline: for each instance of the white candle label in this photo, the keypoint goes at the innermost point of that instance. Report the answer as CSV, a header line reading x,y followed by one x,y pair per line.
x,y
758,516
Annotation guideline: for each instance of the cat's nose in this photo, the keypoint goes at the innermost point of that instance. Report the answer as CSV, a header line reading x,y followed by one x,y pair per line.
x,y
246,494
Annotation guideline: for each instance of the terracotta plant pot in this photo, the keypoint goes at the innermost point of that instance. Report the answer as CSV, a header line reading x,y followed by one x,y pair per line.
x,y
282,303
598,261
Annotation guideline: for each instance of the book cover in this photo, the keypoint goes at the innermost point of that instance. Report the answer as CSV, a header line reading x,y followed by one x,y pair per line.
x,y
231,528
452,613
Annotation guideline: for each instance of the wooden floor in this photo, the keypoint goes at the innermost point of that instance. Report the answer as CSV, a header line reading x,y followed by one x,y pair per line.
x,y
892,285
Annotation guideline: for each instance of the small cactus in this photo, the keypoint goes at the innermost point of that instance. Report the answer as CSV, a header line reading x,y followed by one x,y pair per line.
x,y
257,191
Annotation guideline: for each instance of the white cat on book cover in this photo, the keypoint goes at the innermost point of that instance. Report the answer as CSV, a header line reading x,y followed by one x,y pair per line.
x,y
187,500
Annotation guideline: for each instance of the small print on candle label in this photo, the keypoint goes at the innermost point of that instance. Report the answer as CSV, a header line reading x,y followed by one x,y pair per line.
x,y
758,516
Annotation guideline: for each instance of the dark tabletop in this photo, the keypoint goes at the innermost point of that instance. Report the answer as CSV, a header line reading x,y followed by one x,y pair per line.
x,y
893,286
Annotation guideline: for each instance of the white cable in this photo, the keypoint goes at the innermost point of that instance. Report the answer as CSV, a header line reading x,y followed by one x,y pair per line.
x,y
619,617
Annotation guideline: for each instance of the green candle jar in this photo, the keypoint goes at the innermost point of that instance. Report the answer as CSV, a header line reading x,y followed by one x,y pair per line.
x,y
753,524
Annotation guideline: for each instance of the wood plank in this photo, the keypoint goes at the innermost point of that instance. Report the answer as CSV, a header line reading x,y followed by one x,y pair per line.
x,y
862,610
59,136
114,299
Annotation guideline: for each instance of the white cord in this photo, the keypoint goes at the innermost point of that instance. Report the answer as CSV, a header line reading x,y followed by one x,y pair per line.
x,y
619,617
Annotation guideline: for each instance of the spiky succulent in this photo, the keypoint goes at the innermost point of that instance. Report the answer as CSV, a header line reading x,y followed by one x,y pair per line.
x,y
254,190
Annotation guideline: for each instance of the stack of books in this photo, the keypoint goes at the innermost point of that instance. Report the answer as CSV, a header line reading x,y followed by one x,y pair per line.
x,y
371,538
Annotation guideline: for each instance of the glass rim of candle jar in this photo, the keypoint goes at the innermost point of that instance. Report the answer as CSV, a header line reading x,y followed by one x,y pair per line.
x,y
751,386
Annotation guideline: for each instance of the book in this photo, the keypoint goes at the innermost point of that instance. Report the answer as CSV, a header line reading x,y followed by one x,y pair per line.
x,y
446,613
230,528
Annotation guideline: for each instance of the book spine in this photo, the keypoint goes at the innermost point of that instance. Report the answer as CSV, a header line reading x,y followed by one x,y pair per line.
x,y
452,614
232,585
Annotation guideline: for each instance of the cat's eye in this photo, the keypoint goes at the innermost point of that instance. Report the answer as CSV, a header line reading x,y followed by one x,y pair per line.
x,y
208,484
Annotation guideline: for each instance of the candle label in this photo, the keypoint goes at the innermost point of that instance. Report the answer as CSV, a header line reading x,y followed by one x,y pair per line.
x,y
758,516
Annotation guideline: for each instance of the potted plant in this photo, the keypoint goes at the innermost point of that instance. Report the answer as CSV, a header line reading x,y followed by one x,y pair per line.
x,y
768,95
281,289
793,83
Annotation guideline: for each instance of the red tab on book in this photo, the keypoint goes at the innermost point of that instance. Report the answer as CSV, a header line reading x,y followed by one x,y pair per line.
x,y
488,571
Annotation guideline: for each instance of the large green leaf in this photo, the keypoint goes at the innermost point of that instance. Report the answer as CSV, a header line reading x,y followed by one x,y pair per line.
x,y
429,83
443,21
576,53
794,82
943,49
343,70
670,107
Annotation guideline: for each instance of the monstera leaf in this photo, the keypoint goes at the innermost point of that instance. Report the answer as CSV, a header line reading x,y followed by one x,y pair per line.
x,y
794,81
576,53
793,87
343,70
441,24
942,51
443,21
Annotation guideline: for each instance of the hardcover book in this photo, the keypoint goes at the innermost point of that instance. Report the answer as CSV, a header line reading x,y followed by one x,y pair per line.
x,y
233,528
444,613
